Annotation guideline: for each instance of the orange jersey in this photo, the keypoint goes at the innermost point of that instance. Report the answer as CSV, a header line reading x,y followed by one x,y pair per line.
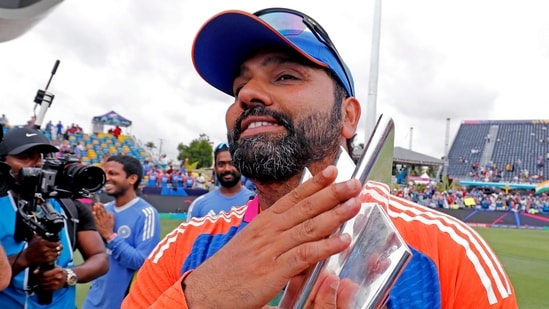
x,y
451,267
451,257
158,281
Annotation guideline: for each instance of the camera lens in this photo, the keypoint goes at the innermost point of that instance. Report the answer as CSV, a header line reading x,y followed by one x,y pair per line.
x,y
88,177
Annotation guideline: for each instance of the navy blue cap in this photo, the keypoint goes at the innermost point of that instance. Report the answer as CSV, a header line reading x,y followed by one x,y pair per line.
x,y
227,39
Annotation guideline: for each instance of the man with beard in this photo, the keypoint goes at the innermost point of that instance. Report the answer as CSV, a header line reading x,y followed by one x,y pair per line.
x,y
130,228
229,193
294,107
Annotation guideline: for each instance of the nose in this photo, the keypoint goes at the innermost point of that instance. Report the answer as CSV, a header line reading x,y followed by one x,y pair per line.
x,y
253,93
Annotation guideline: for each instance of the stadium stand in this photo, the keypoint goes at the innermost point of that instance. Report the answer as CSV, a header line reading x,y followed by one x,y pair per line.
x,y
520,145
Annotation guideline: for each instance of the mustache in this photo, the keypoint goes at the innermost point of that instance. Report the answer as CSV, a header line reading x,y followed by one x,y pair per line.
x,y
281,118
227,173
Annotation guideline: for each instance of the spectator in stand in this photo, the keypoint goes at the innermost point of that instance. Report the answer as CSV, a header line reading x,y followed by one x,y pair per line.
x,y
49,128
65,147
76,151
147,166
164,161
189,181
176,179
228,194
152,177
485,202
117,131
165,178
59,131
200,181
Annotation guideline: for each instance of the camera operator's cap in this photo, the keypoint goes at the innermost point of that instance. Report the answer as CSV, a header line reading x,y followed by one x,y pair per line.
x,y
227,39
19,140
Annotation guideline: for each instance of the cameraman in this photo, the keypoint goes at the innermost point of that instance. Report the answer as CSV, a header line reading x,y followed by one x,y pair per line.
x,y
25,147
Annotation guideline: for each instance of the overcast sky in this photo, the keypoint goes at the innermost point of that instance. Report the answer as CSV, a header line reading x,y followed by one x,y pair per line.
x,y
439,59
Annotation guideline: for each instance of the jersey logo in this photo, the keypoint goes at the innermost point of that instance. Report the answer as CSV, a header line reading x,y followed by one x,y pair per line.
x,y
124,231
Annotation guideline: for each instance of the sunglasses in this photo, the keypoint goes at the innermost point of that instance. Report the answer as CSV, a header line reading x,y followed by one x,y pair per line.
x,y
222,146
288,22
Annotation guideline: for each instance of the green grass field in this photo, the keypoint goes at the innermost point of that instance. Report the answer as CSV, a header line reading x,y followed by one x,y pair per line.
x,y
524,254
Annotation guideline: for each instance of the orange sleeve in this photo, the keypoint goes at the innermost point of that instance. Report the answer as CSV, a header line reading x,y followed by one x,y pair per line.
x,y
173,297
158,281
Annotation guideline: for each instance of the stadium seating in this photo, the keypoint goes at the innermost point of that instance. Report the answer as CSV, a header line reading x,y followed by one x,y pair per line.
x,y
522,143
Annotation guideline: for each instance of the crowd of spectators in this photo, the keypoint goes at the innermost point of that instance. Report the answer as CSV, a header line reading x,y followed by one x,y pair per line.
x,y
481,198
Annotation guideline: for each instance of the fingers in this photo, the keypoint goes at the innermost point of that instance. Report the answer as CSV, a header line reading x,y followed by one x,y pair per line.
x,y
98,209
53,279
332,292
313,197
41,251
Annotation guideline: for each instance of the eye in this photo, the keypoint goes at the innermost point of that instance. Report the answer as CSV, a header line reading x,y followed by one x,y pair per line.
x,y
286,76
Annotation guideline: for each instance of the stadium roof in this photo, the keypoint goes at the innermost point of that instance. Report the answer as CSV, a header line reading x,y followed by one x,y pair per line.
x,y
405,156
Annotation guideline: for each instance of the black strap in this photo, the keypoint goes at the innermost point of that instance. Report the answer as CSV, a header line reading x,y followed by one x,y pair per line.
x,y
72,218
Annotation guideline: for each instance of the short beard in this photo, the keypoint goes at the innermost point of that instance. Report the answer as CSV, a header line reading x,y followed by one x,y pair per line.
x,y
229,183
267,158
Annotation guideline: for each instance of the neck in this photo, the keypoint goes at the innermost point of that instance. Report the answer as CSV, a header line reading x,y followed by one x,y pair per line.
x,y
124,199
230,190
269,193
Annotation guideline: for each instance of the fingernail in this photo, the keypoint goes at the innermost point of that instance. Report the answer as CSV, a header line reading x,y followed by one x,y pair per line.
x,y
345,237
328,172
353,184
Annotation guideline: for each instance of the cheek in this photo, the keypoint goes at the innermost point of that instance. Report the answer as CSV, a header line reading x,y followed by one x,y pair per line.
x,y
233,112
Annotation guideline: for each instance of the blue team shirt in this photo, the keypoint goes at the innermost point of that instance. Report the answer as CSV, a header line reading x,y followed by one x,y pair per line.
x,y
15,296
138,227
213,203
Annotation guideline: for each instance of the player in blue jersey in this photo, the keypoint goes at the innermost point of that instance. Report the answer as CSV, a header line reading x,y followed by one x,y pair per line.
x,y
25,147
228,194
130,227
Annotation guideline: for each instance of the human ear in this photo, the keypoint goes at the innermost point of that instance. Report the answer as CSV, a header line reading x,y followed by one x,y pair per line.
x,y
351,116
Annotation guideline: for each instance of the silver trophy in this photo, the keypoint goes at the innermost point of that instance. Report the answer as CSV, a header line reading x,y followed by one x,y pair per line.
x,y
377,254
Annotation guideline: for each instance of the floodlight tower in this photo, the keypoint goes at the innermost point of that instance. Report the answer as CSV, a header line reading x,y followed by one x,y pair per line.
x,y
371,113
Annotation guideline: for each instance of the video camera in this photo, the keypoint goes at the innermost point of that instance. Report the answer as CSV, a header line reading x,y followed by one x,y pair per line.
x,y
59,179
65,177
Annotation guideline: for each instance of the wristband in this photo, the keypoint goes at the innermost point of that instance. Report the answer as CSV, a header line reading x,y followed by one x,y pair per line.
x,y
113,236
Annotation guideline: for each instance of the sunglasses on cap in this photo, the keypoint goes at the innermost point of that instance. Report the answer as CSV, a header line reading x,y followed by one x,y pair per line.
x,y
222,146
288,21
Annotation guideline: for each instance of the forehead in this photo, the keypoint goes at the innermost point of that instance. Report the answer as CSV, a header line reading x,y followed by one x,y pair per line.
x,y
32,152
223,156
113,166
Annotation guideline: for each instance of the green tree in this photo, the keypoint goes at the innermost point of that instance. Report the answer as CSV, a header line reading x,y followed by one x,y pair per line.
x,y
199,151
150,146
